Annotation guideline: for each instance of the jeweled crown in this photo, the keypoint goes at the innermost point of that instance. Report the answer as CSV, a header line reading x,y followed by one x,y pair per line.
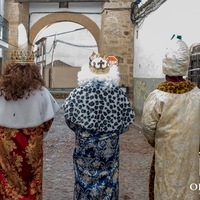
x,y
101,64
22,57
98,64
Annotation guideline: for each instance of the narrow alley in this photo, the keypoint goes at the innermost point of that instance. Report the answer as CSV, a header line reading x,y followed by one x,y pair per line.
x,y
135,159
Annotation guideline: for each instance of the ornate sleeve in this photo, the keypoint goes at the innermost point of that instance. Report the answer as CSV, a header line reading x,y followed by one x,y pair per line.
x,y
150,117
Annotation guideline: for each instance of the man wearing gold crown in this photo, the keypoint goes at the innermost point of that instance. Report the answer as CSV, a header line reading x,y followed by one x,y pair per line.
x,y
27,110
97,111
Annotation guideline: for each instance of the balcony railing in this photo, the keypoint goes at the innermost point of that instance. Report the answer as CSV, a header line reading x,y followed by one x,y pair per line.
x,y
3,29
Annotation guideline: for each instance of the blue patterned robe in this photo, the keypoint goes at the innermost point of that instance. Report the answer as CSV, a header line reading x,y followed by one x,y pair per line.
x,y
98,115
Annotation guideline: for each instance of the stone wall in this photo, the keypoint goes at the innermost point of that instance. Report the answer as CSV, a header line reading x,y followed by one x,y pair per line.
x,y
15,14
117,39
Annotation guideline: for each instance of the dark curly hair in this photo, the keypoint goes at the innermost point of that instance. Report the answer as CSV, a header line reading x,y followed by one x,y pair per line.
x,y
19,80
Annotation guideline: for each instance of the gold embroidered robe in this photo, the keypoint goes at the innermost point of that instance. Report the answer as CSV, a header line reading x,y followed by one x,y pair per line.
x,y
21,162
22,124
171,123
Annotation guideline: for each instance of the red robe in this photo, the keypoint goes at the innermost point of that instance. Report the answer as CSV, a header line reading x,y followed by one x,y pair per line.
x,y
21,162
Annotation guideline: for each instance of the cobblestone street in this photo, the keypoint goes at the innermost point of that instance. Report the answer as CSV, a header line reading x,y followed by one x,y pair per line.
x,y
135,159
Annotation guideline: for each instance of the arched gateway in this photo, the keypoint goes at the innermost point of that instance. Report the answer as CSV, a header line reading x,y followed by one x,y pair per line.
x,y
58,71
61,17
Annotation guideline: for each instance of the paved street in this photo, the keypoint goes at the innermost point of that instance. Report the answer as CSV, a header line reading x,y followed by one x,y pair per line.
x,y
135,159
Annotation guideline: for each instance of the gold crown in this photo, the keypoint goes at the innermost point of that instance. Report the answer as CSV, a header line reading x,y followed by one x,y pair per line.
x,y
22,57
98,64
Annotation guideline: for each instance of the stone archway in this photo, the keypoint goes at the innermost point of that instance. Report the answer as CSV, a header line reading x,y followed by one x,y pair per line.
x,y
60,17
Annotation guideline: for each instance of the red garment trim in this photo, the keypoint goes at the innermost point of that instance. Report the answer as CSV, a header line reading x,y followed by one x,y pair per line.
x,y
174,78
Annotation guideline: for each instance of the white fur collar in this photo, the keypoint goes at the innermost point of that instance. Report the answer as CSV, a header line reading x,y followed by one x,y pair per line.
x,y
39,107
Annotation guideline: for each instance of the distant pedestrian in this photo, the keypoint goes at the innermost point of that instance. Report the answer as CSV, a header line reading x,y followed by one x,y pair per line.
x,y
27,110
98,111
171,124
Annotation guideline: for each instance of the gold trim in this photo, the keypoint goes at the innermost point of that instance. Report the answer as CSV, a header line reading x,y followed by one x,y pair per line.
x,y
176,87
22,57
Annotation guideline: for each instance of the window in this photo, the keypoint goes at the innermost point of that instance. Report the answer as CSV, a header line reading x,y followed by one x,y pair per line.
x,y
63,5
2,8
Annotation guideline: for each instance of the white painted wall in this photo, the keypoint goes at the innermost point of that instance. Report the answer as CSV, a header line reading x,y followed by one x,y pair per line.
x,y
91,10
179,17
22,36
72,55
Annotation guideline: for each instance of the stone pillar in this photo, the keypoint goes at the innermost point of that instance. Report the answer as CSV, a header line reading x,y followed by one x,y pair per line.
x,y
117,33
15,14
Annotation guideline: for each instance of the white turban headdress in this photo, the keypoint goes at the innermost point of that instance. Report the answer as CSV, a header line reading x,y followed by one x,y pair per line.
x,y
177,58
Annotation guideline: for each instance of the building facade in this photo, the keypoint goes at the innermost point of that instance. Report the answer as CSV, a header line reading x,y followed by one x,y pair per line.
x,y
108,22
3,32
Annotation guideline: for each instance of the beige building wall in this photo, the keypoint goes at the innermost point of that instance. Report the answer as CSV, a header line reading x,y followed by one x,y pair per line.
x,y
61,77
